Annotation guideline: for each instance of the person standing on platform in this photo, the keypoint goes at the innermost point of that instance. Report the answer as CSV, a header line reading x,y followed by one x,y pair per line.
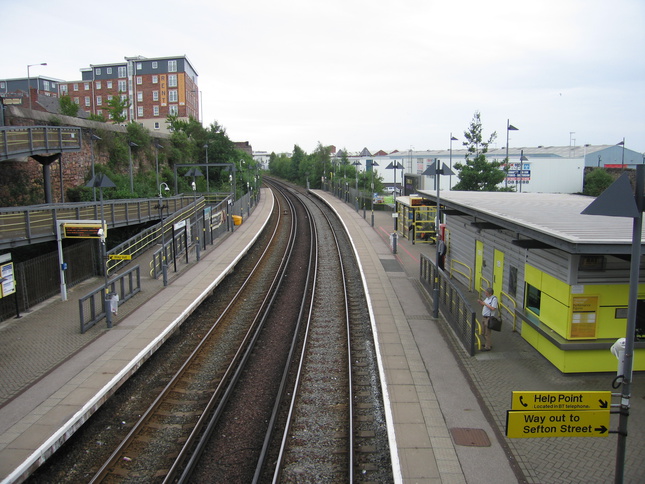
x,y
489,304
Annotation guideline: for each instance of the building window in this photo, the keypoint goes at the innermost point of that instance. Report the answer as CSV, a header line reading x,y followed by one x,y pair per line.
x,y
139,80
155,110
512,281
86,86
173,110
154,64
156,124
155,95
99,100
124,97
46,85
76,87
99,112
139,66
109,84
77,101
155,79
123,86
172,96
63,88
533,297
97,71
87,101
140,96
140,111
110,97
109,70
98,84
122,71
172,66
172,80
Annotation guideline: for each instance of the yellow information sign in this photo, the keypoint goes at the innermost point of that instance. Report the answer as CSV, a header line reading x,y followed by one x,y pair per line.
x,y
532,424
561,400
120,257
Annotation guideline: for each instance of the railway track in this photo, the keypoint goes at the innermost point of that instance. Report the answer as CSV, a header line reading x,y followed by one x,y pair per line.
x,y
284,385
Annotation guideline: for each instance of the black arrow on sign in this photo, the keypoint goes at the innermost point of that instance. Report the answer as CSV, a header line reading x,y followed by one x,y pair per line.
x,y
602,429
603,403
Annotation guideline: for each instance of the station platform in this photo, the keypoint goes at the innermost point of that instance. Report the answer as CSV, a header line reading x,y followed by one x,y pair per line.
x,y
446,410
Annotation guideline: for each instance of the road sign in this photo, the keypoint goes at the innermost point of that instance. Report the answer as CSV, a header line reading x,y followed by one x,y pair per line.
x,y
561,400
549,423
120,257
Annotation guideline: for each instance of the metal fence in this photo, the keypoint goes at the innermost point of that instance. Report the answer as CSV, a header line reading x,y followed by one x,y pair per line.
x,y
91,307
460,315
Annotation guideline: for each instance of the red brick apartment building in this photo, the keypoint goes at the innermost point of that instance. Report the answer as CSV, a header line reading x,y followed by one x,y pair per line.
x,y
156,88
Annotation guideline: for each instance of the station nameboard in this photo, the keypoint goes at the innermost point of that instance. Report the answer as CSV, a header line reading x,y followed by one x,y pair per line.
x,y
83,230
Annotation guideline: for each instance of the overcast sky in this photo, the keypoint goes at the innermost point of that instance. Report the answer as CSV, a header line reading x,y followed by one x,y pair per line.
x,y
367,73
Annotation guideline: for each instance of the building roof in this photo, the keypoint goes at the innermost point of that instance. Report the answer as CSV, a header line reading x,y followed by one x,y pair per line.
x,y
551,219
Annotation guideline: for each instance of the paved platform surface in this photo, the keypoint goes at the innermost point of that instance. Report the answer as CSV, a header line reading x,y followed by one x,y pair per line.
x,y
435,392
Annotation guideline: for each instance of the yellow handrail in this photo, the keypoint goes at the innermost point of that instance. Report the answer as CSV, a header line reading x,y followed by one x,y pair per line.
x,y
512,312
469,276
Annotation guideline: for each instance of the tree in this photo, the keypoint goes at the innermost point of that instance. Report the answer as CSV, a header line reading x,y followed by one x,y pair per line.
x,y
477,173
596,181
67,106
118,109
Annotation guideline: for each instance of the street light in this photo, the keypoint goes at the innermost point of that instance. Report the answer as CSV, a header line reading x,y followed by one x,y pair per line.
x,y
356,165
195,172
164,266
157,148
208,187
93,138
374,163
452,138
509,127
522,159
29,81
622,143
130,145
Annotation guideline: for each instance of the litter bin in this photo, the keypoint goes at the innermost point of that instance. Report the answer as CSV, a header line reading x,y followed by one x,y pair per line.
x,y
394,240
237,220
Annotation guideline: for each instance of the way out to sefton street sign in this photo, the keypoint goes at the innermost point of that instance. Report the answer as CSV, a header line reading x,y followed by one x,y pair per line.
x,y
561,400
549,423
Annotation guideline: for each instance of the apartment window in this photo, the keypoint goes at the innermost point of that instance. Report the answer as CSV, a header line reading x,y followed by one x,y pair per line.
x,y
156,124
172,96
139,80
533,297
97,71
122,71
140,111
172,66
87,101
63,88
109,70
99,112
173,110
46,85
124,97
154,64
98,84
109,84
99,100
86,86
155,79
110,97
139,66
155,95
77,100
172,80
123,86
76,87
140,96
512,281
155,110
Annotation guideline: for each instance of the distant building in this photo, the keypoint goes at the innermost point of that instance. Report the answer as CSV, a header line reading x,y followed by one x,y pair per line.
x,y
156,87
16,91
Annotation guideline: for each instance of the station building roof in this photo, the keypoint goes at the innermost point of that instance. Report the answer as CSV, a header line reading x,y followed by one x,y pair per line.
x,y
542,220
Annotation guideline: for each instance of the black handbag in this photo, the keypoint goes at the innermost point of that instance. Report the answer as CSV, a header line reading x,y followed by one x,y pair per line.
x,y
495,324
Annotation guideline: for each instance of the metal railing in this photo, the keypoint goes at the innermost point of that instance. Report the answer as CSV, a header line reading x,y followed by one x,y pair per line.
x,y
92,308
455,267
20,141
452,302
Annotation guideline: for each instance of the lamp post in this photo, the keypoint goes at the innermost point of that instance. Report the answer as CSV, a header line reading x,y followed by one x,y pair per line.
x,y
436,169
522,160
620,200
101,181
164,266
195,172
208,186
157,148
29,81
374,163
622,143
130,145
509,127
93,138
452,138
356,165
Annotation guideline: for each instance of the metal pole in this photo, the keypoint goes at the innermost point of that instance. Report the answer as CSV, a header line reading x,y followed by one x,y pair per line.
x,y
435,290
628,362
106,289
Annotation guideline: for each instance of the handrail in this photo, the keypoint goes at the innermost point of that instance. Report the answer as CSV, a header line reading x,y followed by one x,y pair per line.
x,y
510,310
469,276
20,141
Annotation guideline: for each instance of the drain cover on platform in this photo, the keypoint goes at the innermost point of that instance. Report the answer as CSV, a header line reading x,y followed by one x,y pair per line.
x,y
470,437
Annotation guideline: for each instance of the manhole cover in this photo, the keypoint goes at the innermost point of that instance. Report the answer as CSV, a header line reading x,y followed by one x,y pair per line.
x,y
470,437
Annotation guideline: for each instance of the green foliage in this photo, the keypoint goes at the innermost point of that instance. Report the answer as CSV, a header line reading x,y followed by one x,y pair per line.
x,y
97,117
478,174
597,181
67,106
19,188
118,109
